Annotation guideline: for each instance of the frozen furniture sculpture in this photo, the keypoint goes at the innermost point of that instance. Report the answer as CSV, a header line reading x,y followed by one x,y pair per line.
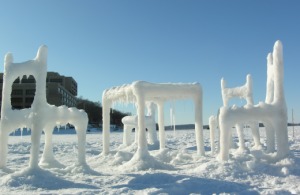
x,y
273,113
41,116
131,122
244,92
140,92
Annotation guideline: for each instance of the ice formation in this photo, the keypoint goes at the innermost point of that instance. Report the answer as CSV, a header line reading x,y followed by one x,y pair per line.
x,y
41,116
272,112
140,92
213,124
244,91
131,122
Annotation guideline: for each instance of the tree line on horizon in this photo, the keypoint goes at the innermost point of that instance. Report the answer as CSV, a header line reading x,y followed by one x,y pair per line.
x,y
94,112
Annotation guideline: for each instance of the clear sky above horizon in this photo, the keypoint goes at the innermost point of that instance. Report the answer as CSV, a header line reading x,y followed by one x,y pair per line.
x,y
109,43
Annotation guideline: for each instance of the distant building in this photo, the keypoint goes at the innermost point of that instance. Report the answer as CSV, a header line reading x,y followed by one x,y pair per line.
x,y
61,90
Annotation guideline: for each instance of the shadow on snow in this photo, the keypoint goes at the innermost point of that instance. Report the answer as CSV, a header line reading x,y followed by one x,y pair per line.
x,y
40,179
184,184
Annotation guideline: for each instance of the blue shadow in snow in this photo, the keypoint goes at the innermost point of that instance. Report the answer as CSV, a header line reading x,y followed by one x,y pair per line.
x,y
44,180
194,148
183,184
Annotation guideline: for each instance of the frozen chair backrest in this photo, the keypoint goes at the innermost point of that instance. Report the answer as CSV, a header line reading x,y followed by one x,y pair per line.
x,y
12,71
244,91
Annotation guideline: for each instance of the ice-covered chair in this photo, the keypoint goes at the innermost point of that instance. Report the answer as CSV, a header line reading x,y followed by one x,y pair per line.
x,y
245,92
131,122
41,116
272,112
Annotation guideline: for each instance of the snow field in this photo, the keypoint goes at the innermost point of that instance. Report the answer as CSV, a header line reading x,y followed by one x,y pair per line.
x,y
175,170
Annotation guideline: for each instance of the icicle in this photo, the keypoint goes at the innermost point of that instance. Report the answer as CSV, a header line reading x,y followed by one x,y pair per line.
x,y
57,127
174,121
172,118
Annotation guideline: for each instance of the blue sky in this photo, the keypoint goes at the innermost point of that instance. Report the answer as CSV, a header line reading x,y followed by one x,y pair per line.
x,y
109,43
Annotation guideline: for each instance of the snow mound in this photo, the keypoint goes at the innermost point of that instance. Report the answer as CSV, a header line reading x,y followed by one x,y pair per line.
x,y
38,179
144,161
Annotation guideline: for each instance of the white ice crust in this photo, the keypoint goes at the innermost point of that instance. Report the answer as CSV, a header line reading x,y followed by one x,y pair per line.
x,y
213,125
40,117
131,122
272,113
242,92
140,92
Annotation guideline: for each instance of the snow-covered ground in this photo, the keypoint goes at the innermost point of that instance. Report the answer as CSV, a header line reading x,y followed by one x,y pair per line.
x,y
176,170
